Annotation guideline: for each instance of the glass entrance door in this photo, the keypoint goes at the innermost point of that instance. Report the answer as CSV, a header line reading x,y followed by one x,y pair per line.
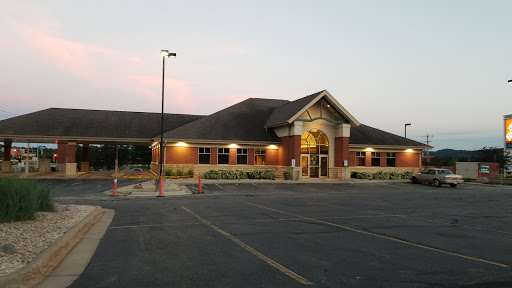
x,y
323,166
314,166
304,163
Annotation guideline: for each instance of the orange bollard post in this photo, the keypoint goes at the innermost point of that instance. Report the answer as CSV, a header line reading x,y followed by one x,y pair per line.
x,y
114,193
200,188
161,193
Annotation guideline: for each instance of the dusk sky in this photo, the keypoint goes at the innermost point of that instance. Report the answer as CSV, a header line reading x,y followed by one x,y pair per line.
x,y
442,66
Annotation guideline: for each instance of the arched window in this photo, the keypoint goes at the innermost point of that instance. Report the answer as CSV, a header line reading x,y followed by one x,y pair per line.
x,y
314,149
314,142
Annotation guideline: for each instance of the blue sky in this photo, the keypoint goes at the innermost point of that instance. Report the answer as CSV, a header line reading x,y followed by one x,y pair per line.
x,y
441,65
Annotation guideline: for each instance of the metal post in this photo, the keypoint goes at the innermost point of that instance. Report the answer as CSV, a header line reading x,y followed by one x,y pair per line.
x,y
162,131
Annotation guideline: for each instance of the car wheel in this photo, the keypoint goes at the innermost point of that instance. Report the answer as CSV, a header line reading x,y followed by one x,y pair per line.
x,y
453,185
415,180
437,183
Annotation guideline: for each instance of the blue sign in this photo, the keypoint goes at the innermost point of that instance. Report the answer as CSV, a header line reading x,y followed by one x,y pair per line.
x,y
509,145
42,147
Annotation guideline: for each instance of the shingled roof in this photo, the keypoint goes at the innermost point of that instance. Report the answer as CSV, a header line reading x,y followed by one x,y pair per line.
x,y
366,135
289,112
242,122
283,113
78,124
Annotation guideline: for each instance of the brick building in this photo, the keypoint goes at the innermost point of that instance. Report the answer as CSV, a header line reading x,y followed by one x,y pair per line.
x,y
311,137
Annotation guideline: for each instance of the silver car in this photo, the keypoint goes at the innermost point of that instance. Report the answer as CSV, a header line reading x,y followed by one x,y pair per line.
x,y
437,177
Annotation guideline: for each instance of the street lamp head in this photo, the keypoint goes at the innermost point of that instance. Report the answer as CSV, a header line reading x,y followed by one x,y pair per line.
x,y
407,124
510,81
166,53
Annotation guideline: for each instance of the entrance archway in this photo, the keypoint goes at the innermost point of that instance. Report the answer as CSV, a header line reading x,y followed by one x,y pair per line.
x,y
314,147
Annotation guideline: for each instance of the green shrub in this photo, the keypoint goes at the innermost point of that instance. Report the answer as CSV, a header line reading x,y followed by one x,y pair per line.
x,y
20,199
365,175
394,175
262,174
190,173
179,172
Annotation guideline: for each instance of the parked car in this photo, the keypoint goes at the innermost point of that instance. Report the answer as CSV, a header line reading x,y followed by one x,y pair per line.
x,y
437,177
136,170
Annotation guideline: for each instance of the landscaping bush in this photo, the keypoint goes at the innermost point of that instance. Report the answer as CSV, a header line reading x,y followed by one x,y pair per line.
x,y
365,175
20,199
394,175
239,174
262,174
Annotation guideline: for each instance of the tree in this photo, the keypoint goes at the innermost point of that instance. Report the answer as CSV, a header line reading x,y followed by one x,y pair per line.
x,y
495,155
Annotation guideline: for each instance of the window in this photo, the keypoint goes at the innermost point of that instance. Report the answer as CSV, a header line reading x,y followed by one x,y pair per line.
x,y
259,156
391,160
223,156
360,158
241,156
204,155
376,159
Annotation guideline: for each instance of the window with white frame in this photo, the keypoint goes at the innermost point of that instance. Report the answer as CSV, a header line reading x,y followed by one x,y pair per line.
x,y
391,159
241,156
204,155
223,156
259,156
360,158
376,159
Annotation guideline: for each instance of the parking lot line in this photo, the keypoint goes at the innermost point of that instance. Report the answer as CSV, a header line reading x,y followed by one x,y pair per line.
x,y
426,220
386,237
273,263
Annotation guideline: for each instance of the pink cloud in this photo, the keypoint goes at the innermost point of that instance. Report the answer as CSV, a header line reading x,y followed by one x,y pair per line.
x,y
177,92
78,59
69,56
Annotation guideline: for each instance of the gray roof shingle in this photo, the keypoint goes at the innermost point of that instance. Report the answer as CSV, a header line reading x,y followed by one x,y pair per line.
x,y
283,113
80,123
366,135
244,121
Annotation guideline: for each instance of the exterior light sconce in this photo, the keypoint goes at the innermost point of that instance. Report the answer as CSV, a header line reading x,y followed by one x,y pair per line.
x,y
368,149
409,150
233,146
181,144
272,147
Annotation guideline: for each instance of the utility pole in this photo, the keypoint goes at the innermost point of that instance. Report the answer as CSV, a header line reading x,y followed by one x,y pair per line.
x,y
428,155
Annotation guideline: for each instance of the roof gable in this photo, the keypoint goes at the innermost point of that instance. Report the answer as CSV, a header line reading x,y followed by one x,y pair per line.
x,y
290,112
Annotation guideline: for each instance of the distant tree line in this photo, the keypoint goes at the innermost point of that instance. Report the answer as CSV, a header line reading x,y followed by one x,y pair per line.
x,y
448,157
104,156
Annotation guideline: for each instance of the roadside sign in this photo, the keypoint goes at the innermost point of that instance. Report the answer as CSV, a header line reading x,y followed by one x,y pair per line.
x,y
484,169
42,147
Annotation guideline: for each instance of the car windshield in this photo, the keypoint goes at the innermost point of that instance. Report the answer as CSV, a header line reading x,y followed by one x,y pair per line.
x,y
445,172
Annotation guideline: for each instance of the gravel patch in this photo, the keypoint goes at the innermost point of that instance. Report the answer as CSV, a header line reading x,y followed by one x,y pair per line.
x,y
34,236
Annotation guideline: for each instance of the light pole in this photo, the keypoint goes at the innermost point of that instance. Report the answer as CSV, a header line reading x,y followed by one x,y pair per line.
x,y
165,54
406,124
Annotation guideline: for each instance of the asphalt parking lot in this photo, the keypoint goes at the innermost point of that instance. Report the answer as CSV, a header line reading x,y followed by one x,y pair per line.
x,y
364,234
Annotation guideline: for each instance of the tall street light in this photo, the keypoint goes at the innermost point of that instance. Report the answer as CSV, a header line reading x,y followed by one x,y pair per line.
x,y
165,54
406,124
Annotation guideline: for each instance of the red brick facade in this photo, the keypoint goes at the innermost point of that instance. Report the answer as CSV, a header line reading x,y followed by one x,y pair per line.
x,y
341,151
181,155
290,150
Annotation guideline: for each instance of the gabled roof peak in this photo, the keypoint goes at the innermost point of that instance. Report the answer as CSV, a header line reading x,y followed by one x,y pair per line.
x,y
287,113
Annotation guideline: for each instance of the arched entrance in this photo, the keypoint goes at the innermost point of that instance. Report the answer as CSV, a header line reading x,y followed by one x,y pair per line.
x,y
314,147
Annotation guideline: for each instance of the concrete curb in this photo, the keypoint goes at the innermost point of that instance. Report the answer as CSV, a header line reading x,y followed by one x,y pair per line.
x,y
39,268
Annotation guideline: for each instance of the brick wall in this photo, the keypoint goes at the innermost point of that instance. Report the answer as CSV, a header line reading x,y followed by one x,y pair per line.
x,y
405,159
181,155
